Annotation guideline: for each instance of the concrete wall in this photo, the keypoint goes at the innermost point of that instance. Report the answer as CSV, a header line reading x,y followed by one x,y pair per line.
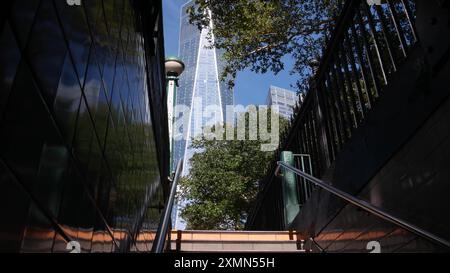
x,y
399,160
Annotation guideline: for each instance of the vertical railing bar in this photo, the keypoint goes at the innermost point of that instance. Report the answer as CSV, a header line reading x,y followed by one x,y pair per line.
x,y
339,107
309,163
307,185
309,137
314,132
325,90
303,181
335,127
331,124
301,133
313,127
304,139
363,66
312,173
306,150
335,110
355,75
347,96
321,124
301,190
374,35
299,141
342,98
398,28
386,36
411,21
294,149
313,152
297,163
359,116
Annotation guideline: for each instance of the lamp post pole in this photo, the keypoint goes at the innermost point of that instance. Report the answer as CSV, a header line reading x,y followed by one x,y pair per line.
x,y
174,68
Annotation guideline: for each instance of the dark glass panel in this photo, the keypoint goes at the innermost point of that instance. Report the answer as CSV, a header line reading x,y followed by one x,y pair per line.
x,y
77,211
105,195
76,30
92,85
95,164
13,220
46,50
67,101
23,138
51,176
9,61
21,17
110,172
101,117
84,136
97,24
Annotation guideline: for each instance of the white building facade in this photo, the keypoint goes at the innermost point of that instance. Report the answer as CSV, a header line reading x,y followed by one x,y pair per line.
x,y
284,98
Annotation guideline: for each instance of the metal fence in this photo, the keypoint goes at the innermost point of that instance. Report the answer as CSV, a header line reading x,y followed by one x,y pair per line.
x,y
368,44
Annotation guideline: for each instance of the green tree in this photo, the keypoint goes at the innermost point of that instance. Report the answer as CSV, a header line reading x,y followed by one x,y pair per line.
x,y
256,34
223,181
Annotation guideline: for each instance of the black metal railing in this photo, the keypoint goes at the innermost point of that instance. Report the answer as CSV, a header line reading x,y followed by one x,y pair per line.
x,y
366,206
164,228
367,47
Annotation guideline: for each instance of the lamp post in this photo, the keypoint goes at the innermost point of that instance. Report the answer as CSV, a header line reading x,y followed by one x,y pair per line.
x,y
174,68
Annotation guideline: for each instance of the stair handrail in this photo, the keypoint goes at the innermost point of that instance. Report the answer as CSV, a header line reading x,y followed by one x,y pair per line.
x,y
163,228
366,206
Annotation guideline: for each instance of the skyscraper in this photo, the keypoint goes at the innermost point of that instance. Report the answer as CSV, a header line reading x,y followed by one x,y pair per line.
x,y
200,81
200,85
284,98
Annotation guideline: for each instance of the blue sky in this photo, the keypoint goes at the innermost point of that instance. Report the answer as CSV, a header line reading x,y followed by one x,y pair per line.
x,y
250,88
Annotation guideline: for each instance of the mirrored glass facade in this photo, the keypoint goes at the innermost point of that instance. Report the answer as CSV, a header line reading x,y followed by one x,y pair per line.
x,y
83,135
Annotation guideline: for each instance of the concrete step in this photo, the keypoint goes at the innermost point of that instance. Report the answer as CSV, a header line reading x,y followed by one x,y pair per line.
x,y
236,241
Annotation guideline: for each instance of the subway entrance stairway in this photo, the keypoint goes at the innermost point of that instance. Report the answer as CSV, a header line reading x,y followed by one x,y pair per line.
x,y
84,143
366,160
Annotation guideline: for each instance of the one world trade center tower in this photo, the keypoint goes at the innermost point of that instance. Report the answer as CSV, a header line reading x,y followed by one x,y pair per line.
x,y
199,87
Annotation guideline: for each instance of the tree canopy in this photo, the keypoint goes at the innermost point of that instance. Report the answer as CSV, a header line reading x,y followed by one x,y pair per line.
x,y
256,34
223,182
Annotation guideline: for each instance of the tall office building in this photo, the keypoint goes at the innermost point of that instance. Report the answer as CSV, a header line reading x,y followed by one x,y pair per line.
x,y
200,81
285,99
200,86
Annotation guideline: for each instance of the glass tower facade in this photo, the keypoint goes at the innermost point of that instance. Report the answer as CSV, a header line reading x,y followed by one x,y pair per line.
x,y
83,126
200,85
199,82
